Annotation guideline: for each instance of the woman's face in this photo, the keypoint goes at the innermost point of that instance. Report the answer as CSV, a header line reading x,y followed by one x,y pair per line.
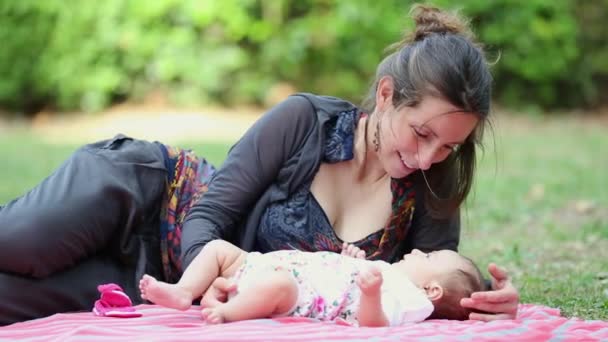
x,y
417,137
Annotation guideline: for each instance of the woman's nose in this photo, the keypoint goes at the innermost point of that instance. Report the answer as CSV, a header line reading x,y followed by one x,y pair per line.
x,y
429,155
425,158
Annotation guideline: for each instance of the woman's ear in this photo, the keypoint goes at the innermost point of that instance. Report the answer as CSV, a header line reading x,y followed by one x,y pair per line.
x,y
384,93
433,290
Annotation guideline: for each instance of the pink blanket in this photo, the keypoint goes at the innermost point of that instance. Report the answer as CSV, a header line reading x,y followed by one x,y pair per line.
x,y
535,323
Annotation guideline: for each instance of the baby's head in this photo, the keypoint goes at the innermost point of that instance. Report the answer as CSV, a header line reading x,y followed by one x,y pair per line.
x,y
446,277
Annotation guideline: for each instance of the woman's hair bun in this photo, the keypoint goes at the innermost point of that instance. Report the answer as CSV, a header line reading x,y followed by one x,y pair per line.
x,y
430,20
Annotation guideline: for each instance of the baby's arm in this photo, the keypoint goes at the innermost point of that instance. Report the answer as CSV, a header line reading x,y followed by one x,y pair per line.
x,y
370,312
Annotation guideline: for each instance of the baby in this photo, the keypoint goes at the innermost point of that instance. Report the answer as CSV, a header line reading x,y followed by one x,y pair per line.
x,y
323,285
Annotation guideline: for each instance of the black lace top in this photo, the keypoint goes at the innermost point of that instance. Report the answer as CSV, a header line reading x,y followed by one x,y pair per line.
x,y
299,222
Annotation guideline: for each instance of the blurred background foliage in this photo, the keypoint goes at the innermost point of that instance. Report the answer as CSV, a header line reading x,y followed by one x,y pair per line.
x,y
87,55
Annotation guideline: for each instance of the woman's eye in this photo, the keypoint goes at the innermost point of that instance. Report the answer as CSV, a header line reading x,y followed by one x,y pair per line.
x,y
420,134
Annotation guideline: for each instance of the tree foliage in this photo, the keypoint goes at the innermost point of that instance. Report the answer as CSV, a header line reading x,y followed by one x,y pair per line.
x,y
86,55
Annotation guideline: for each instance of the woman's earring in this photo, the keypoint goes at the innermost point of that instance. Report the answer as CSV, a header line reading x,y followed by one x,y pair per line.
x,y
376,140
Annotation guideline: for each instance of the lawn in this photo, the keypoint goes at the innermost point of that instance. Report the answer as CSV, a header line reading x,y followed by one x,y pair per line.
x,y
539,205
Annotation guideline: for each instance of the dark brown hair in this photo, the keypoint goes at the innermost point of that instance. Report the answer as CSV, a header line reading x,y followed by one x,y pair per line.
x,y
440,58
456,285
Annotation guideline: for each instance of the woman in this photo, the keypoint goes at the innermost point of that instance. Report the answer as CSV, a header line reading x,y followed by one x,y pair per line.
x,y
312,173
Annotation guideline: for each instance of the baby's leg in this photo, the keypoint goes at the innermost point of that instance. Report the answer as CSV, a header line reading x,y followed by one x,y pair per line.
x,y
213,260
275,294
165,294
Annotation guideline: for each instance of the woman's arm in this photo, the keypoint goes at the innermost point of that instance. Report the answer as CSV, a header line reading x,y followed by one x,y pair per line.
x,y
431,234
251,166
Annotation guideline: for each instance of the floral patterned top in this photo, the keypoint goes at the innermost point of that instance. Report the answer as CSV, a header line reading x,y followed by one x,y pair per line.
x,y
300,223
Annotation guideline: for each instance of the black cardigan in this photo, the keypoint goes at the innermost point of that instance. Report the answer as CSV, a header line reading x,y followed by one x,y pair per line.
x,y
279,153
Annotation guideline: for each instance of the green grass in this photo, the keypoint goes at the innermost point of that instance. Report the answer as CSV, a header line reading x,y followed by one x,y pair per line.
x,y
539,206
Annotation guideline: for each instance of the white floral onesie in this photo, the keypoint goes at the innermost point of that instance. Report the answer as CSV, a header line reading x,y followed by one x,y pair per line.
x,y
327,288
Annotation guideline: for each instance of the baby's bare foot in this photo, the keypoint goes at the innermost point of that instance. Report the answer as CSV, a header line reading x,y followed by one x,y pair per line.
x,y
212,315
164,294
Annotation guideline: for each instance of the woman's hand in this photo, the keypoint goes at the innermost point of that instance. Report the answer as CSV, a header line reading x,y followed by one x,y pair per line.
x,y
499,303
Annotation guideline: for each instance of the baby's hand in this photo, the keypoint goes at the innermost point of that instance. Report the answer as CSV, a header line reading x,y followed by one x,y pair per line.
x,y
370,280
352,251
218,292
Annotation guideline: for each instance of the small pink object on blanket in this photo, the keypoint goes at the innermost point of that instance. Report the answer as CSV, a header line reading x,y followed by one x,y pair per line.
x,y
114,302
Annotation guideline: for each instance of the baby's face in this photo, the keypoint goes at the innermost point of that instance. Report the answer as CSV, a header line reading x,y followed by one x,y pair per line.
x,y
422,268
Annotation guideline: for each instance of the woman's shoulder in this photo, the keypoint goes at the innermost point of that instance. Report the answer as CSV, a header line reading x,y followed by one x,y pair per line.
x,y
308,109
325,104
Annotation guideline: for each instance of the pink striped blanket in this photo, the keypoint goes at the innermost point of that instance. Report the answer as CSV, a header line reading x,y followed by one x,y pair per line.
x,y
535,323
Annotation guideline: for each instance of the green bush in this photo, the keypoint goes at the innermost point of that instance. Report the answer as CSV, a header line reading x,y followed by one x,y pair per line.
x,y
536,43
550,53
86,55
